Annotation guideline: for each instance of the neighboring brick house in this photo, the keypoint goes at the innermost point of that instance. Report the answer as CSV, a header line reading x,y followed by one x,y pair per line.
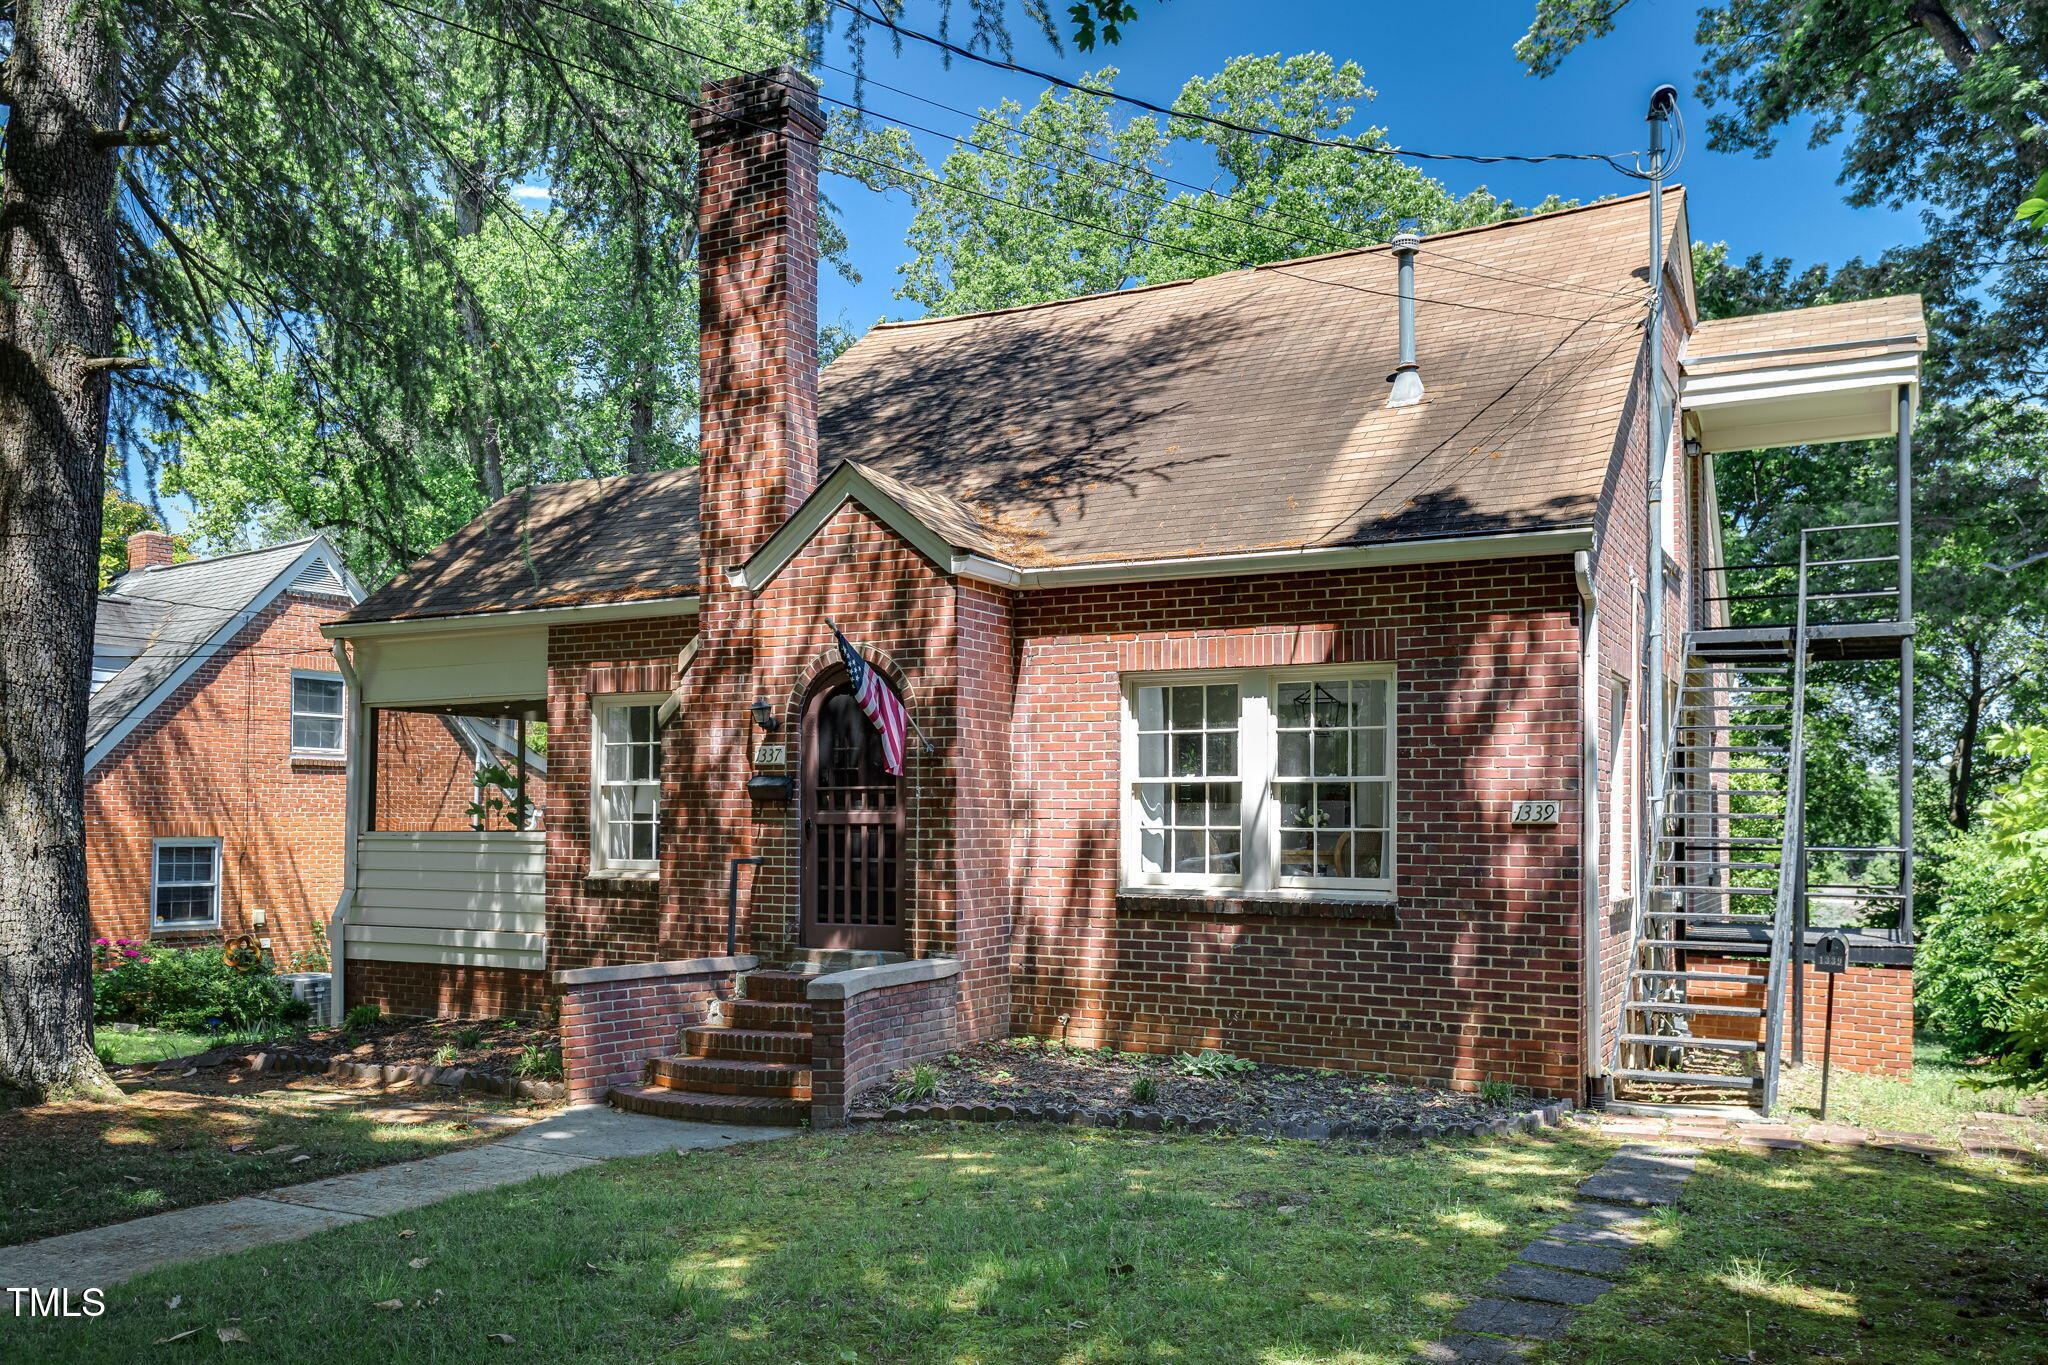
x,y
1231,677
216,757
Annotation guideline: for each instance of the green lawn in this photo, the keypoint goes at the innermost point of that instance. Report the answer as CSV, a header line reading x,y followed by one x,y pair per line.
x,y
1827,1258
82,1163
1938,1099
127,1047
942,1246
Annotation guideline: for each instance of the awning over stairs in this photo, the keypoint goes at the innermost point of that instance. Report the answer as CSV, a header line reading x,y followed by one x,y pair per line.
x,y
1802,377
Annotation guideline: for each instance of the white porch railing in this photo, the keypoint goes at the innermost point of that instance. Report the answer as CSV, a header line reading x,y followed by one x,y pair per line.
x,y
470,899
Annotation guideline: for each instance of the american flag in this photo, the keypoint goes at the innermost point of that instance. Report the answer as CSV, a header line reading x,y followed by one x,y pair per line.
x,y
882,705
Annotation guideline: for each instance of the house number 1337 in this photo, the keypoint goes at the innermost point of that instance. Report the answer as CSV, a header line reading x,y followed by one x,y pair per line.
x,y
1534,813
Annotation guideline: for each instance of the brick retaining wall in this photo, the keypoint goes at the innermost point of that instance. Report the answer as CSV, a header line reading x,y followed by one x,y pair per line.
x,y
1873,1011
858,1041
614,1019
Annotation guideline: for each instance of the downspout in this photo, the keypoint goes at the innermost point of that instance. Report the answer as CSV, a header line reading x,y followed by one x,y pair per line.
x,y
351,832
1593,1064
1651,797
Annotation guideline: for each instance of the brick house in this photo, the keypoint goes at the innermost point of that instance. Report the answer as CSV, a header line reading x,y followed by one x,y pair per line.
x,y
216,762
1260,705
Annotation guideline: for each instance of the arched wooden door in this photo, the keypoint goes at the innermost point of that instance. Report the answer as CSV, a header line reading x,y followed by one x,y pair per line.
x,y
853,827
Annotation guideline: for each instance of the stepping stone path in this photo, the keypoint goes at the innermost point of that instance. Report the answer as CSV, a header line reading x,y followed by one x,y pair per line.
x,y
1571,1264
1577,1261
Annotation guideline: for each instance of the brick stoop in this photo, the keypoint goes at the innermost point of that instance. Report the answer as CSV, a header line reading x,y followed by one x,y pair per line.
x,y
754,1068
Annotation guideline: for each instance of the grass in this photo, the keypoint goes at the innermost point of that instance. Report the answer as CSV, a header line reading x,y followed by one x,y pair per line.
x,y
81,1164
125,1047
923,1246
1826,1258
1938,1099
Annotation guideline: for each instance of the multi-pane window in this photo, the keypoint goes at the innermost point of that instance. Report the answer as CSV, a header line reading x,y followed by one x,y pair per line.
x,y
185,884
316,713
628,763
1259,780
1189,811
1620,787
1335,734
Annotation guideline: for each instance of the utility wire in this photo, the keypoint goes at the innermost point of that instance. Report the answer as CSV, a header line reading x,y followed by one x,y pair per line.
x,y
898,170
1297,230
1302,139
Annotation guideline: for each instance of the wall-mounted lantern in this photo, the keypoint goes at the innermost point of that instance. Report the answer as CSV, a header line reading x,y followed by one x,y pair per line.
x,y
764,716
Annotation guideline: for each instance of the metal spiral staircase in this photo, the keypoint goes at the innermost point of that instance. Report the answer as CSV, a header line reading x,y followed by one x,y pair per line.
x,y
1728,858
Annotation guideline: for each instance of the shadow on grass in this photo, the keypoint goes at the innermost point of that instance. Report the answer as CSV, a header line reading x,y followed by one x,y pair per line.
x,y
1837,1256
974,1245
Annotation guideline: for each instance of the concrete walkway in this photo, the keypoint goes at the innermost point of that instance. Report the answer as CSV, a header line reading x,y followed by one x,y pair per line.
x,y
99,1257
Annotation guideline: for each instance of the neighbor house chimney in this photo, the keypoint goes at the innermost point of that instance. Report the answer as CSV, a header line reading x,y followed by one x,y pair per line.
x,y
757,269
147,549
1407,376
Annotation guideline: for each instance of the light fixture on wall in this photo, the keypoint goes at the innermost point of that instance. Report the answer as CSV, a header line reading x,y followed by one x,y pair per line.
x,y
764,716
1693,446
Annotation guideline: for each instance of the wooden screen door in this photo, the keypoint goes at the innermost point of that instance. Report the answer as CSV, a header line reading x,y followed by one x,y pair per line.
x,y
853,828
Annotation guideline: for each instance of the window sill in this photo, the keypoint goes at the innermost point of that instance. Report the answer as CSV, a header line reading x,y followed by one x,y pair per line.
x,y
180,930
1226,903
644,877
320,760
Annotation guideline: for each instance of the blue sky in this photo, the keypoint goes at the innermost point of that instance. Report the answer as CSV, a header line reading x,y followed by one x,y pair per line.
x,y
1447,80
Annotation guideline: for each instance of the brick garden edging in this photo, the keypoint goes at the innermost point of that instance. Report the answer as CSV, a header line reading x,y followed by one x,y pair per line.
x,y
382,1073
1161,1121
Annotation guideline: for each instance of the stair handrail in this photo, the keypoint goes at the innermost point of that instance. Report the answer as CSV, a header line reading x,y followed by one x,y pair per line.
x,y
1659,811
1790,879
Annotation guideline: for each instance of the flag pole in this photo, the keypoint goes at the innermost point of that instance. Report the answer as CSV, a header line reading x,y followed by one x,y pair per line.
x,y
929,747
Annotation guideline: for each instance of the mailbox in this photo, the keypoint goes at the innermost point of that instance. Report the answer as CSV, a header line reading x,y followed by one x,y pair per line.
x,y
1831,953
766,789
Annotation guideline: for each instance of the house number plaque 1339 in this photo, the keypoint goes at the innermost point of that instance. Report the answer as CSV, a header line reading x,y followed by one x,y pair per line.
x,y
1533,813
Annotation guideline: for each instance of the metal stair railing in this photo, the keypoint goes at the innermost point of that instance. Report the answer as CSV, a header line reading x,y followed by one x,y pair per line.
x,y
1786,916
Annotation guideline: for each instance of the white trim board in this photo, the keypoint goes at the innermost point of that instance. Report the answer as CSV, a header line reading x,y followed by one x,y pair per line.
x,y
534,616
318,548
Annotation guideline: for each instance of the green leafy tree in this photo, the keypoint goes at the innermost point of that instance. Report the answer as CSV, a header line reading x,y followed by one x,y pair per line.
x,y
121,518
1068,168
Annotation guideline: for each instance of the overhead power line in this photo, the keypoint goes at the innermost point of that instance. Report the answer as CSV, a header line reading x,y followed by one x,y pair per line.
x,y
1615,161
1282,268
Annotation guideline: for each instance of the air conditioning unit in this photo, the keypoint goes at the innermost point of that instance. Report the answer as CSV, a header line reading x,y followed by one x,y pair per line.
x,y
311,987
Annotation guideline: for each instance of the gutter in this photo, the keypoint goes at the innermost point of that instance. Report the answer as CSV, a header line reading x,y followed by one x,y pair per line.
x,y
1593,1062
527,616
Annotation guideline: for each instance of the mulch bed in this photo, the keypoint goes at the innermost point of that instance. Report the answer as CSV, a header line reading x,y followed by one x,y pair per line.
x,y
467,1054
1090,1085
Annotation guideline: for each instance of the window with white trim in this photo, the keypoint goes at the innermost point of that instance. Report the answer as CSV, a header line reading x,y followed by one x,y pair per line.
x,y
318,700
185,884
1262,781
627,791
1620,785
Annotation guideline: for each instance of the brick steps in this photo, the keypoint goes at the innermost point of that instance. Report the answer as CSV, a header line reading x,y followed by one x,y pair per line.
x,y
662,1102
754,1068
721,1076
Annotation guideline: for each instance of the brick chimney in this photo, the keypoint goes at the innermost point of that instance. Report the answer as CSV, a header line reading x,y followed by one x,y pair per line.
x,y
757,262
147,549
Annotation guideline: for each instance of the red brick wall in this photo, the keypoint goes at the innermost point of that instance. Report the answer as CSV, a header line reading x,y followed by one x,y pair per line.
x,y
611,1028
215,761
1475,978
856,1042
425,775
444,991
596,921
1873,1011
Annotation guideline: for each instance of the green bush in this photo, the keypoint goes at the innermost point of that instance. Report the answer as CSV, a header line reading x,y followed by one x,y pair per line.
x,y
194,989
1976,954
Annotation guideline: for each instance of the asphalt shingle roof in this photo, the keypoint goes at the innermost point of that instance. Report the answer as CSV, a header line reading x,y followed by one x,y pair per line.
x,y
1241,412
163,616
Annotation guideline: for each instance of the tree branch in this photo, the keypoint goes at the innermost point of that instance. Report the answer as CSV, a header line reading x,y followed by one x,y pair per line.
x,y
118,362
131,137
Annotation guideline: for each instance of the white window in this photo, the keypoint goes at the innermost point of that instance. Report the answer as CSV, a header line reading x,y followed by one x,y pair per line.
x,y
317,700
1620,881
627,791
1261,781
185,884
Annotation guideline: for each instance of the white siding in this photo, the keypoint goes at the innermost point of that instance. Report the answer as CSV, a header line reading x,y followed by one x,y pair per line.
x,y
444,666
471,899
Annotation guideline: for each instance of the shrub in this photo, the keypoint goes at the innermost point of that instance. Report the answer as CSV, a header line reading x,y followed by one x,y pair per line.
x,y
361,1016
1210,1064
921,1084
1497,1092
1975,956
535,1062
194,989
1145,1089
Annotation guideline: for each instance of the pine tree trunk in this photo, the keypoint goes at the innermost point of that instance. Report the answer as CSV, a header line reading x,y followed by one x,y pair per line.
x,y
56,313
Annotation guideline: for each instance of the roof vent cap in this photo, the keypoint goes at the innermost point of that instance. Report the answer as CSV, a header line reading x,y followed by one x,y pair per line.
x,y
1407,376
